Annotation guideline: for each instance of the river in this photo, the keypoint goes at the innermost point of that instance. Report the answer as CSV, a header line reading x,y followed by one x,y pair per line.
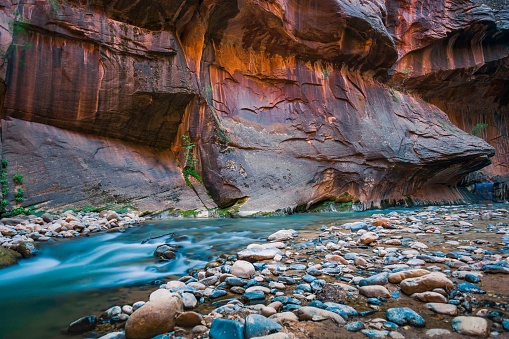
x,y
72,278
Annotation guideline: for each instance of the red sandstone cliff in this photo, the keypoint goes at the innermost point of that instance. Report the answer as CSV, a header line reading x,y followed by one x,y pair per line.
x,y
289,102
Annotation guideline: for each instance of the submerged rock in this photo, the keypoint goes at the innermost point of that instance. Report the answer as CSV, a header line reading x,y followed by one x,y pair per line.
x,y
82,325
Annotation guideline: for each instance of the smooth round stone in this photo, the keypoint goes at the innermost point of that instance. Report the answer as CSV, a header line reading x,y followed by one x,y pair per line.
x,y
257,325
403,316
336,258
308,278
258,254
313,271
287,300
298,267
254,295
155,317
354,326
496,269
437,332
375,333
234,281
377,279
226,329
267,311
368,237
282,235
474,326
425,283
470,288
283,317
242,269
505,324
189,300
317,314
443,308
82,325
188,319
375,301
396,278
472,278
217,294
286,280
374,291
343,310
429,297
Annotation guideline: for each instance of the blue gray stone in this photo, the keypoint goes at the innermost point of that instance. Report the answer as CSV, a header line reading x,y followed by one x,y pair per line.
x,y
254,295
234,281
377,279
257,326
472,278
375,333
405,315
505,324
226,329
287,300
354,326
217,294
470,288
343,310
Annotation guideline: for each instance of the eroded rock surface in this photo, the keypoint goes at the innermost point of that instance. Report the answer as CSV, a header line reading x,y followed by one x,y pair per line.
x,y
287,103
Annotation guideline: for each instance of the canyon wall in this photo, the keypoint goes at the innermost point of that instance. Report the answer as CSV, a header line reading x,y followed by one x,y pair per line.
x,y
286,104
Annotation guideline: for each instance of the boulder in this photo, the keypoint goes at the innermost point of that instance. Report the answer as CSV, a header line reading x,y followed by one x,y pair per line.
x,y
155,317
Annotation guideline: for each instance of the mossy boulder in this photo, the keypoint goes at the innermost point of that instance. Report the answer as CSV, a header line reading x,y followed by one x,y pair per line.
x,y
8,257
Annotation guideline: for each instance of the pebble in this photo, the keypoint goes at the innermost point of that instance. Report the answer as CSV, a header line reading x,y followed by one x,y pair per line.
x,y
374,291
442,308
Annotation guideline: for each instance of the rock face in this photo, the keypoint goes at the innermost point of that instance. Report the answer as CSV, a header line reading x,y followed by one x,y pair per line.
x,y
282,110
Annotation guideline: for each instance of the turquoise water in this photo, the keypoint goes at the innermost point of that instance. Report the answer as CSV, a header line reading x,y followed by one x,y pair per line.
x,y
73,278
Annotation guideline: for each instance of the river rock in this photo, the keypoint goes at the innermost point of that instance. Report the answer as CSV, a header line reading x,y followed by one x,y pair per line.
x,y
354,326
470,288
405,315
8,257
433,297
374,291
27,249
188,319
257,254
82,325
317,314
257,325
283,317
437,332
279,335
109,215
425,283
396,278
442,308
343,310
242,269
282,235
377,279
474,326
375,333
383,222
368,237
496,269
226,329
155,317
165,251
356,226
189,300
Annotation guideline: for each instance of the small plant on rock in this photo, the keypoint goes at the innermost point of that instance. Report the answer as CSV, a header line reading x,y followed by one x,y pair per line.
x,y
478,129
18,179
18,196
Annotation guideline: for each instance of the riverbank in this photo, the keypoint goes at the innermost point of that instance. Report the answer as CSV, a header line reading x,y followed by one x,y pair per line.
x,y
422,273
18,235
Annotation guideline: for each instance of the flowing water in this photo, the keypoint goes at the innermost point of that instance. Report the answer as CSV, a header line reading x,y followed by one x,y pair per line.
x,y
69,279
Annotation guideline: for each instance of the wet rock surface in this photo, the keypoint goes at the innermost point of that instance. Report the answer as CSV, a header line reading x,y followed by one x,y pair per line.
x,y
282,298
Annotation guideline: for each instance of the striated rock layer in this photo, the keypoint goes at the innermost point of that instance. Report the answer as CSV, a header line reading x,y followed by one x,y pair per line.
x,y
287,103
